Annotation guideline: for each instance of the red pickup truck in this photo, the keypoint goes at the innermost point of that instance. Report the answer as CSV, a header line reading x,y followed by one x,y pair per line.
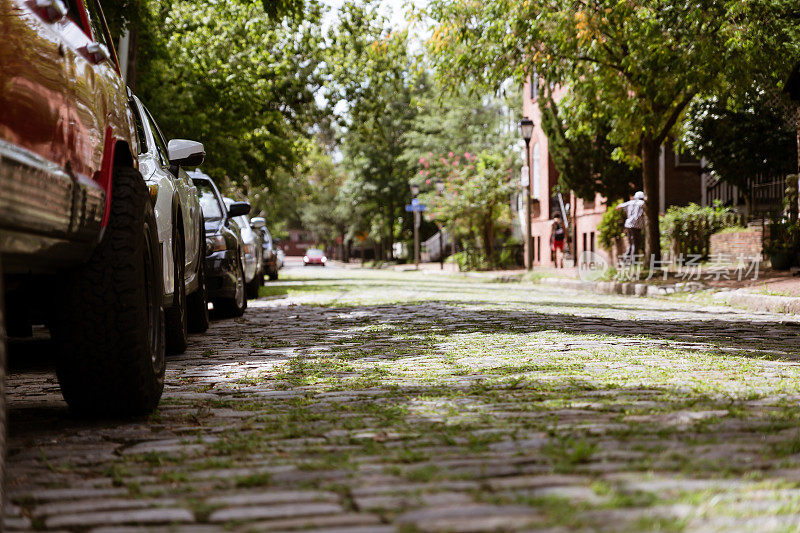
x,y
78,242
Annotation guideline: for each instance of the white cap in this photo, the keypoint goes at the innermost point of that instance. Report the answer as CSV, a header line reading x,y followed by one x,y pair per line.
x,y
639,195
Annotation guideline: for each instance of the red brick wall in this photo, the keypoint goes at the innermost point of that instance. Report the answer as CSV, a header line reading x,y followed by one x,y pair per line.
x,y
745,243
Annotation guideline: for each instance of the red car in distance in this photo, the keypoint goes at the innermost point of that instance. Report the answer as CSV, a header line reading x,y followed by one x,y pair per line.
x,y
314,256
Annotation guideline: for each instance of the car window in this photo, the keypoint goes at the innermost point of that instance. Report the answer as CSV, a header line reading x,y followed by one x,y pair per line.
x,y
74,12
161,146
96,21
314,252
209,203
137,119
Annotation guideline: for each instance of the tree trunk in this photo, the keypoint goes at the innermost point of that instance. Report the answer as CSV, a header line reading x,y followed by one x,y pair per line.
x,y
650,155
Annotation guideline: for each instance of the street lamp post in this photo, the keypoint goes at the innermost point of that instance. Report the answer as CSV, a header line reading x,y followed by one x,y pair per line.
x,y
414,193
526,129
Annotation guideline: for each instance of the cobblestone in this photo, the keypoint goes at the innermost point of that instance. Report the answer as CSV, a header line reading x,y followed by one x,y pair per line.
x,y
377,401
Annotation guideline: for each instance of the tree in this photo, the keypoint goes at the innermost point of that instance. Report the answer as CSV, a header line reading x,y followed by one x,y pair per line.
x,y
641,63
742,140
478,128
226,74
581,151
370,76
475,196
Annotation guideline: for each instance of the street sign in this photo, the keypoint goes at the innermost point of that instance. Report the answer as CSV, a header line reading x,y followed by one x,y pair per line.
x,y
415,207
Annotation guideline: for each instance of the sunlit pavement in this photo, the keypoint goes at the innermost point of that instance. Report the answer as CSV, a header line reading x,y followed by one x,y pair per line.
x,y
355,400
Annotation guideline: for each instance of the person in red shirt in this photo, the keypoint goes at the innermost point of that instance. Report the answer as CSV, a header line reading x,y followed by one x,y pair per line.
x,y
557,236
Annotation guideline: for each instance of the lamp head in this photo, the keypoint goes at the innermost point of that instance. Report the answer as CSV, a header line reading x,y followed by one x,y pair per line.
x,y
526,128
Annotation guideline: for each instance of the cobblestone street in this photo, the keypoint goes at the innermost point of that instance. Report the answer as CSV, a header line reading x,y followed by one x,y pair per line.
x,y
370,401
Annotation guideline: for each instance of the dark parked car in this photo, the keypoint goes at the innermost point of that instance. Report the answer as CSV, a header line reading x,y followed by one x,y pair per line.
x,y
78,235
224,249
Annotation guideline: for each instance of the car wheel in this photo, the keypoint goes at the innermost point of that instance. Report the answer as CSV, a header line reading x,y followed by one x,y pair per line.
x,y
254,285
197,302
108,322
177,328
273,275
233,307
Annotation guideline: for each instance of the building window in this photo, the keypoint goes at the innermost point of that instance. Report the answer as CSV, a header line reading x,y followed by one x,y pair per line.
x,y
539,248
584,242
534,85
591,241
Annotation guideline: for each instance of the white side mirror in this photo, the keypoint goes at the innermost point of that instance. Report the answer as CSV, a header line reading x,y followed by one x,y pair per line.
x,y
185,153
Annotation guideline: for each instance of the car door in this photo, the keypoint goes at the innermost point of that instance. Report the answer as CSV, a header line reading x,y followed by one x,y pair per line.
x,y
153,166
187,198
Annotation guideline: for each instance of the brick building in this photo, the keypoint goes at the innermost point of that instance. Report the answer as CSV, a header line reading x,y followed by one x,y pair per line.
x,y
680,179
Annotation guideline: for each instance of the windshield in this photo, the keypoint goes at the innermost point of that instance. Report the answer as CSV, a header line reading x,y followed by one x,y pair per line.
x,y
314,252
208,200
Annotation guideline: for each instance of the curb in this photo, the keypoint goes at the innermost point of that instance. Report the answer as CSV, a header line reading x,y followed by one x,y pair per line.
x,y
624,287
759,302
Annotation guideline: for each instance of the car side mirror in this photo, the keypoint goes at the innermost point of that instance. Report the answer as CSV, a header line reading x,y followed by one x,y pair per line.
x,y
185,153
98,52
258,222
237,209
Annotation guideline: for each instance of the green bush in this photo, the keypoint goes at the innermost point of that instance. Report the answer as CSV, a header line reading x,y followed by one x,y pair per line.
x,y
611,227
469,260
687,230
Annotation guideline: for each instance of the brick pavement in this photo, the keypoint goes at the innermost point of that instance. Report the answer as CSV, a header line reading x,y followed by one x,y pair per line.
x,y
380,401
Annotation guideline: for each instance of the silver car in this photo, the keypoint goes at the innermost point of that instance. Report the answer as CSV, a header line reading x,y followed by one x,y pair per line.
x,y
252,254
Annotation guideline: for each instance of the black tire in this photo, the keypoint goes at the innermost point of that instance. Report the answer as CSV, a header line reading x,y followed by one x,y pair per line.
x,y
233,307
273,276
254,285
108,321
177,327
197,302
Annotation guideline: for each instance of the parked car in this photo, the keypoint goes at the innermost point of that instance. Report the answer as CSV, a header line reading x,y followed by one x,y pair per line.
x,y
251,240
224,252
314,256
280,255
180,226
269,259
78,234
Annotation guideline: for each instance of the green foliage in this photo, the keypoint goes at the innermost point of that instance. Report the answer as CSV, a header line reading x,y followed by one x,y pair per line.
x,y
613,55
612,227
579,144
687,230
784,237
741,140
475,195
369,73
228,75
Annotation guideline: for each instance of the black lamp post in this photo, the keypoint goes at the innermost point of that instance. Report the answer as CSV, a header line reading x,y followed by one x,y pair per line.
x,y
526,129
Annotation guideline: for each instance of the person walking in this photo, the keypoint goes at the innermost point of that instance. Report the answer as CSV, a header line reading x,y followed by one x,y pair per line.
x,y
634,222
557,236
